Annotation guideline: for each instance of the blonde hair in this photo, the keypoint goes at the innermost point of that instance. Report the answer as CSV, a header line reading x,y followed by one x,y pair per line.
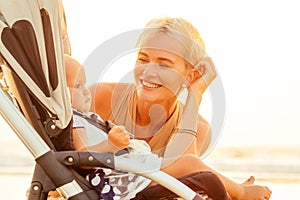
x,y
181,30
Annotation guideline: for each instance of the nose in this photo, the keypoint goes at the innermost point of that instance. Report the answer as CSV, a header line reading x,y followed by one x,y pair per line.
x,y
150,70
86,91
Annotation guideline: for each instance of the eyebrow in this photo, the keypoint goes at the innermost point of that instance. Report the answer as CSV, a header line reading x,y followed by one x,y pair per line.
x,y
144,54
165,59
159,58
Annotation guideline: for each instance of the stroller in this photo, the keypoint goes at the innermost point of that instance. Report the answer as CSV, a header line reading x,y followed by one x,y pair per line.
x,y
37,106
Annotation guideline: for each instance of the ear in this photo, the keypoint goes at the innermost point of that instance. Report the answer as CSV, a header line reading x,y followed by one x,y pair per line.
x,y
193,75
201,68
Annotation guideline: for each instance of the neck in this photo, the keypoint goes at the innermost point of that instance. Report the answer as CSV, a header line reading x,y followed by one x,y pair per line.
x,y
148,112
151,117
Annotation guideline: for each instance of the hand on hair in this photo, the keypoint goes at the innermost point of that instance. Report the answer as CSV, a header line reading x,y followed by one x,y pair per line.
x,y
206,74
118,137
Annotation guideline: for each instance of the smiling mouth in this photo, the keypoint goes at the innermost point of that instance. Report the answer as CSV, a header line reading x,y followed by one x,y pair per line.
x,y
149,85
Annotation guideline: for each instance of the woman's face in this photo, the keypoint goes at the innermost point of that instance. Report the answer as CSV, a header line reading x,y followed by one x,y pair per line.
x,y
159,73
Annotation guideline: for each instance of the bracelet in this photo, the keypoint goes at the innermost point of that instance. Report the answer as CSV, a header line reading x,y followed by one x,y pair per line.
x,y
188,131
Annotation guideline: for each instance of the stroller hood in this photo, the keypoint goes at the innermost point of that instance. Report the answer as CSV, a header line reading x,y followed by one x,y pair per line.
x,y
31,44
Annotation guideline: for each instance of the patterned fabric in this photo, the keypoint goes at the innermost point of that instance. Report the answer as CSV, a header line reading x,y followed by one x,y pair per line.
x,y
114,185
101,184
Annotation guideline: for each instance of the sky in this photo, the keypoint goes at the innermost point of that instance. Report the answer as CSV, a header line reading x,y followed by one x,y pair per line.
x,y
254,45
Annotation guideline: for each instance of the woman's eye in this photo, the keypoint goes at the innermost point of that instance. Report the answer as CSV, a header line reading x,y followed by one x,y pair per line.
x,y
163,65
143,60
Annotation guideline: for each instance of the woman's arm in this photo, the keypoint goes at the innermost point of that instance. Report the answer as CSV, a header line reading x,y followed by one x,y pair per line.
x,y
204,135
184,140
193,132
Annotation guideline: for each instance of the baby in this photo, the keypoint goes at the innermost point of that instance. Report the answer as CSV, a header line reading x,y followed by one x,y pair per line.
x,y
110,184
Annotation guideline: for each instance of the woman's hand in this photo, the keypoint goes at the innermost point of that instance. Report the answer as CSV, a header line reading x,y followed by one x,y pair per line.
x,y
118,137
206,74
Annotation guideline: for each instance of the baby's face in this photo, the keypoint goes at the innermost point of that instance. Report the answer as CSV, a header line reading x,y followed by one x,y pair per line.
x,y
80,95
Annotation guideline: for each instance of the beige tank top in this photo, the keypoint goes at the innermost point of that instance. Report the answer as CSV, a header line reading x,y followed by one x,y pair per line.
x,y
124,113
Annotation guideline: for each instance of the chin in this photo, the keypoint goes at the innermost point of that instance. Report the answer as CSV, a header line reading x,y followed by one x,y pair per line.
x,y
86,110
153,98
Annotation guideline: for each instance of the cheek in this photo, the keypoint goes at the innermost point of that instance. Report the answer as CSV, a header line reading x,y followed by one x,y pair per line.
x,y
76,96
172,80
71,94
138,71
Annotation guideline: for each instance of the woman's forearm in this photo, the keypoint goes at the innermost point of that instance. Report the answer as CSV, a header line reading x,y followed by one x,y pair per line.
x,y
184,136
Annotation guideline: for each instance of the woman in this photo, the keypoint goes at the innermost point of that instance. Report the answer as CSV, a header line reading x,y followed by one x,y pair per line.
x,y
171,57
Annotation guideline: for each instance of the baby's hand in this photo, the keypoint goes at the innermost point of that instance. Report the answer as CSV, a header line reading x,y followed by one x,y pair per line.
x,y
118,137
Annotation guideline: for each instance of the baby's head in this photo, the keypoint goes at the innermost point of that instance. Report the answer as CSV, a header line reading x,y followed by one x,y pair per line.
x,y
76,79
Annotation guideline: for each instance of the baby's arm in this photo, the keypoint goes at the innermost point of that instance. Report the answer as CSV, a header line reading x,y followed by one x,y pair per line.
x,y
117,139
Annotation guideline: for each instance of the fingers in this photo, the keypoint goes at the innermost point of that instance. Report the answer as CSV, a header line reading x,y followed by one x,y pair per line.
x,y
207,73
118,137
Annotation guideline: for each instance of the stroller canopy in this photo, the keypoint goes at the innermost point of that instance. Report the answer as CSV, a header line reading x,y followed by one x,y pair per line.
x,y
31,44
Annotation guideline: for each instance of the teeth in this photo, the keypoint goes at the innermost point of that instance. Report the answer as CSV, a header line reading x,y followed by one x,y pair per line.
x,y
150,85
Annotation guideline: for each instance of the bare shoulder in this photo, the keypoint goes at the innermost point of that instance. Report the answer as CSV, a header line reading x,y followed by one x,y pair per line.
x,y
102,94
102,89
101,97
